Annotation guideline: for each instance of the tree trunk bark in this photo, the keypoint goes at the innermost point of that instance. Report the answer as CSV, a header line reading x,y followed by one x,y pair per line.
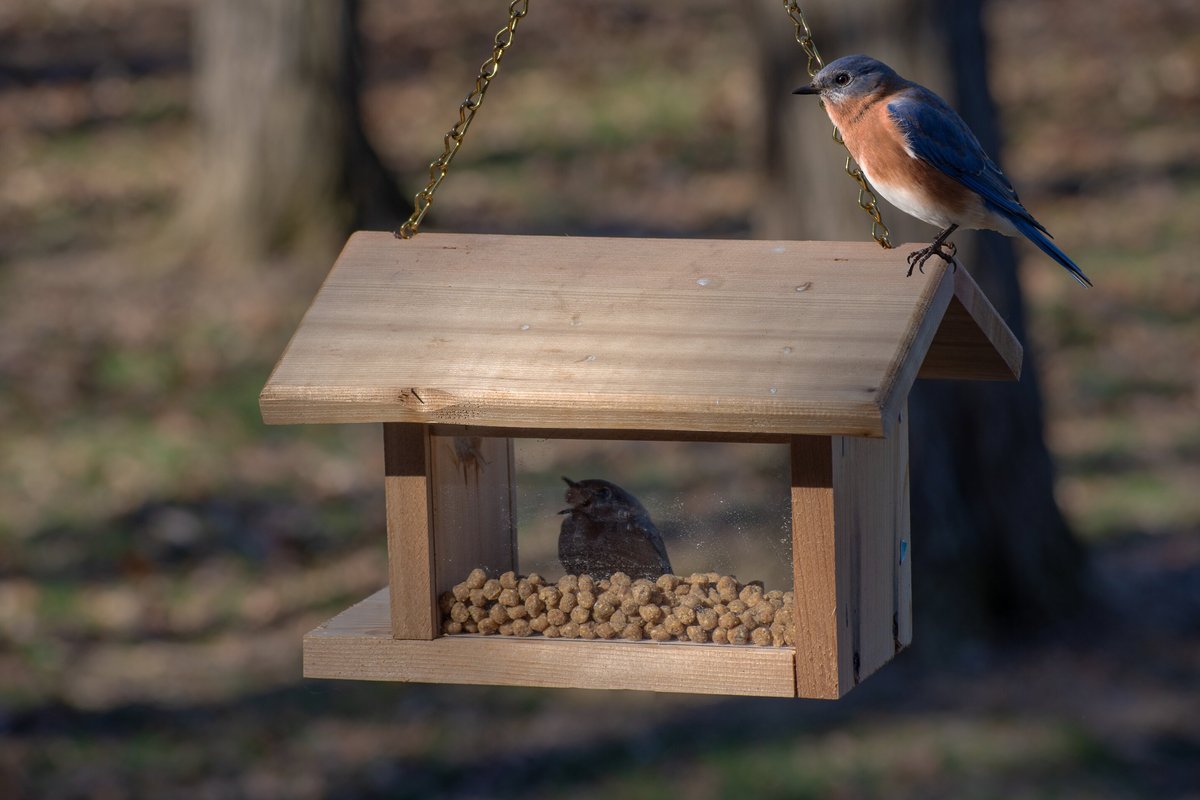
x,y
285,164
992,552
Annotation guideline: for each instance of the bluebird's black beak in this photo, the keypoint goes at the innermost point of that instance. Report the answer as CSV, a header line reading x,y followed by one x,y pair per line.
x,y
809,89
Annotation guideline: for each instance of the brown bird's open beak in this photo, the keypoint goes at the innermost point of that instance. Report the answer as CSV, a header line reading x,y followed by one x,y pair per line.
x,y
573,491
809,89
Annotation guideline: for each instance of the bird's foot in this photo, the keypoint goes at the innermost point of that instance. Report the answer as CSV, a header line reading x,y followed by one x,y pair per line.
x,y
943,250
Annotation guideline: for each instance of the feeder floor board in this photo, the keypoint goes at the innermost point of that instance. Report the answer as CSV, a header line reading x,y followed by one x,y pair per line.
x,y
576,334
357,644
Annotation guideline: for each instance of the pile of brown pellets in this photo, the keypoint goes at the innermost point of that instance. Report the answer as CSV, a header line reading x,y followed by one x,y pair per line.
x,y
703,607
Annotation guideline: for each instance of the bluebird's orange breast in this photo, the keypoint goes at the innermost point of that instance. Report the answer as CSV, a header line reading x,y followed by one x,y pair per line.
x,y
909,183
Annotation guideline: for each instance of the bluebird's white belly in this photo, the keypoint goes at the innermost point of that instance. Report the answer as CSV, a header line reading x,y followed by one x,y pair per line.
x,y
916,203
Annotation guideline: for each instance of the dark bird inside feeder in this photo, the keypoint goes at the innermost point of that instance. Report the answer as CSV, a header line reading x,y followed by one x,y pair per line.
x,y
607,530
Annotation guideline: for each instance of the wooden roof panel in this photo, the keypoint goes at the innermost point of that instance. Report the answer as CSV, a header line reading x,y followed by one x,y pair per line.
x,y
650,334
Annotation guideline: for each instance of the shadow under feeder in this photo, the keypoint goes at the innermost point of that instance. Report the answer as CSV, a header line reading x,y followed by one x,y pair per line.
x,y
460,343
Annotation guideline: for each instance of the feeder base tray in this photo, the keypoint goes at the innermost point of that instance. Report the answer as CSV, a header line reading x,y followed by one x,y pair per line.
x,y
358,645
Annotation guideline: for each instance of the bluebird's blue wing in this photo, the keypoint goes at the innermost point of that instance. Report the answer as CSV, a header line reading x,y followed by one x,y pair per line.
x,y
936,134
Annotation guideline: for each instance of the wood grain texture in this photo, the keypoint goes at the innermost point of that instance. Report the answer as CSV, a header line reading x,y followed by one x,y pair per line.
x,y
357,644
870,490
850,524
474,507
634,334
410,531
973,342
820,575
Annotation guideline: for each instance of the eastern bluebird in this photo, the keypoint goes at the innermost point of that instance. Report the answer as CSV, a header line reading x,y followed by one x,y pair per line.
x,y
607,530
922,158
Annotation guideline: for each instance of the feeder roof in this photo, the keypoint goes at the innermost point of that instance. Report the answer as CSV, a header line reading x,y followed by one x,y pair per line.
x,y
761,338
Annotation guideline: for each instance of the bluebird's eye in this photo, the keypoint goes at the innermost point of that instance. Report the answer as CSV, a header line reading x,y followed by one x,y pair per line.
x,y
841,79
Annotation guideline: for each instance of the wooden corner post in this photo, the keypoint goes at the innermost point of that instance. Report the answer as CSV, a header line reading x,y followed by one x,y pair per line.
x,y
451,507
851,560
407,489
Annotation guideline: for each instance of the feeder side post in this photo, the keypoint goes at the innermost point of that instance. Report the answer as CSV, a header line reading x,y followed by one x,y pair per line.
x,y
474,484
410,530
871,495
820,574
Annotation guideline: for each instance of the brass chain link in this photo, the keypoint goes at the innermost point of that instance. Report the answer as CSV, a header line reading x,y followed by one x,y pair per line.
x,y
866,198
453,139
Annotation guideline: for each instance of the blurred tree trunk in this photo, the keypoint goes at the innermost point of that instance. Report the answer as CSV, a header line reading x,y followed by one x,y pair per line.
x,y
285,163
991,549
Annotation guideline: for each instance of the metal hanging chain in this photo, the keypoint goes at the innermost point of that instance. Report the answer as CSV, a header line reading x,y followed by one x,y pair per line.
x,y
466,112
866,198
517,10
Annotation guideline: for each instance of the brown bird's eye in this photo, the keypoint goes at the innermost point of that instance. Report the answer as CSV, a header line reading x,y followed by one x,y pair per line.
x,y
842,79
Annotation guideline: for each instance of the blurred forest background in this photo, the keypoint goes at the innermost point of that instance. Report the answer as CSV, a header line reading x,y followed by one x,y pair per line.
x,y
162,552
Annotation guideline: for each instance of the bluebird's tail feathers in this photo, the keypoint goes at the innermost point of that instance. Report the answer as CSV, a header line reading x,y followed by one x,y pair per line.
x,y
1049,248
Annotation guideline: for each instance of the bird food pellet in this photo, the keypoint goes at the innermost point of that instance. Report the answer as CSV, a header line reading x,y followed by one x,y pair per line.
x,y
641,591
704,607
706,618
602,610
549,595
751,594
492,588
651,613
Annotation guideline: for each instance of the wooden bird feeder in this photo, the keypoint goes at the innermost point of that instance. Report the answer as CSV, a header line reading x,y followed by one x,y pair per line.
x,y
449,339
